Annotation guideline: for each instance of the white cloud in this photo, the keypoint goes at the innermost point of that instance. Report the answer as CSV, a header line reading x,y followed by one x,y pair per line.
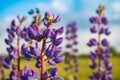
x,y
115,38
116,6
60,6
114,10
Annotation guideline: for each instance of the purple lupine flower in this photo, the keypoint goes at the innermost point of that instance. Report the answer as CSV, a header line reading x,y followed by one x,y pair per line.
x,y
38,64
56,59
108,65
93,29
31,33
11,36
18,31
60,30
8,42
54,73
24,34
13,23
94,19
10,49
35,51
104,20
47,14
57,42
7,63
57,19
59,59
50,50
107,53
95,76
104,42
68,46
51,62
28,74
46,75
92,42
47,33
107,76
93,65
102,30
13,73
14,55
57,51
30,52
93,55
107,32
35,33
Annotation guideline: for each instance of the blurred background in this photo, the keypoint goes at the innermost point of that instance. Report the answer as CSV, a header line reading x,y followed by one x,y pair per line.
x,y
70,10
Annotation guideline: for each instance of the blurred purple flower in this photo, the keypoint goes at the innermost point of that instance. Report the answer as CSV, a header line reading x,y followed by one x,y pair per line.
x,y
13,23
94,20
104,20
105,43
103,66
92,42
93,29
54,74
107,32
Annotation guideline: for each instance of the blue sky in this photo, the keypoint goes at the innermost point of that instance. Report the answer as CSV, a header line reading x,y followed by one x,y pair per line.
x,y
69,10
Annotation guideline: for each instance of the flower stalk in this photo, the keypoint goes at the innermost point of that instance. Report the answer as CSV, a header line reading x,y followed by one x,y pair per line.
x,y
102,52
18,60
42,59
50,51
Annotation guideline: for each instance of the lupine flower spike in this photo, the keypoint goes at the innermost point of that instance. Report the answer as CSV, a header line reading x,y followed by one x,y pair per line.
x,y
50,50
71,37
15,33
102,53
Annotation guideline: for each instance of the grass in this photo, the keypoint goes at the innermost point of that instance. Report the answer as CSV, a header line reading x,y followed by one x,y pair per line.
x,y
84,70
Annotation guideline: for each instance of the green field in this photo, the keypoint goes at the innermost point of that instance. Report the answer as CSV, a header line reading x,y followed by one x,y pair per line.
x,y
84,72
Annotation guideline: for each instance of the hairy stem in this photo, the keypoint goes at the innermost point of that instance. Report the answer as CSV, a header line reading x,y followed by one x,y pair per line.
x,y
99,51
18,60
42,59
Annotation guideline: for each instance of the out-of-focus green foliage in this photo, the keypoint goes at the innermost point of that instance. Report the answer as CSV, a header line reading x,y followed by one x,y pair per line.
x,y
85,71
114,51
